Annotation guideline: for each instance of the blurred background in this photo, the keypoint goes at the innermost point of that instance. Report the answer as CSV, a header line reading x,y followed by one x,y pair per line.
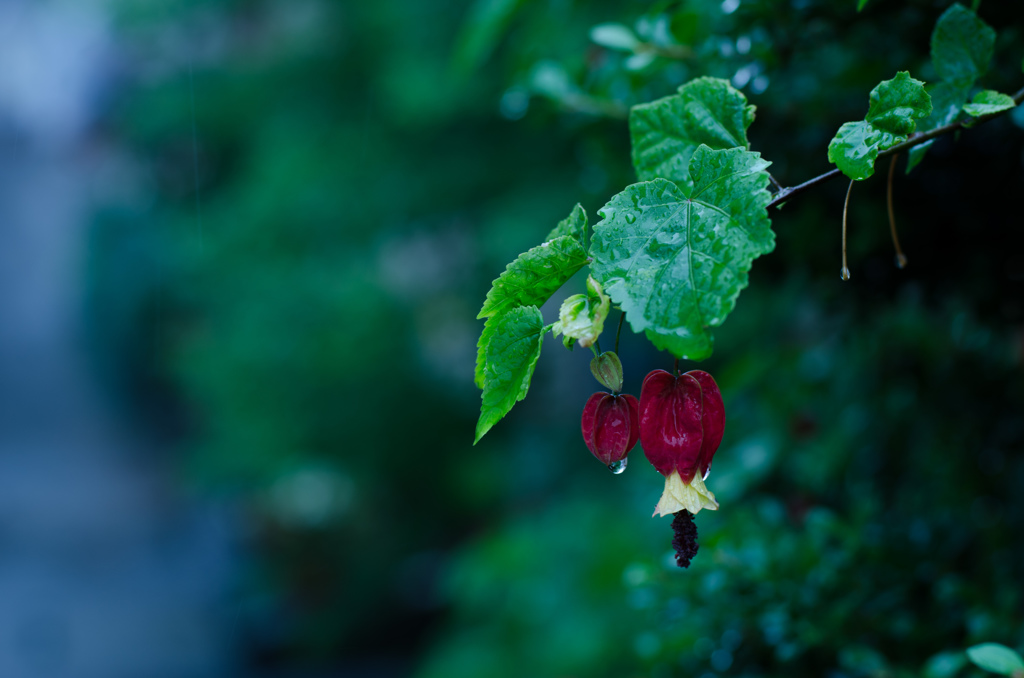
x,y
243,245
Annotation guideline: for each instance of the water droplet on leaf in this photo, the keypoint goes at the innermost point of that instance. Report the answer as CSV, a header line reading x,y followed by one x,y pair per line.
x,y
630,217
619,466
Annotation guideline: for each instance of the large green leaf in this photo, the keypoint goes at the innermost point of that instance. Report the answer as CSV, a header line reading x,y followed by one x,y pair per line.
x,y
666,132
895,107
511,345
962,46
961,50
535,275
575,225
676,257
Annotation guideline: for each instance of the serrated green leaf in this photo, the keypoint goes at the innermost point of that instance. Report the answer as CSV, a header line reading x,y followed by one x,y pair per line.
x,y
996,658
989,101
535,275
666,132
575,225
676,257
481,355
582,316
962,46
512,343
896,105
614,36
894,109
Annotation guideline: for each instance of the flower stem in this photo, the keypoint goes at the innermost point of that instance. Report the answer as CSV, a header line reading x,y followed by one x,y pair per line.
x,y
901,260
618,331
844,272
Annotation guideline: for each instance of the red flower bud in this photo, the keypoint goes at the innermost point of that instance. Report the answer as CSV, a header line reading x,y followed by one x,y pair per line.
x,y
610,426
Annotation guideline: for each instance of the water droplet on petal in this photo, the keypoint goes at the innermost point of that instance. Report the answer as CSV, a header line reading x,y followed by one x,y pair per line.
x,y
901,261
844,273
619,466
707,472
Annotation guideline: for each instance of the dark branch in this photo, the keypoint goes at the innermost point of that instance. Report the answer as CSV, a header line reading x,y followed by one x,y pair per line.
x,y
914,140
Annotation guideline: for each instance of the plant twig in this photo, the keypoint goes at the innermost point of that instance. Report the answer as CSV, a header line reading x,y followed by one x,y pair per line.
x,y
915,140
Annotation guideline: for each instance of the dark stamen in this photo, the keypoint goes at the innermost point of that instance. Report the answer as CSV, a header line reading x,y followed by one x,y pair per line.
x,y
685,541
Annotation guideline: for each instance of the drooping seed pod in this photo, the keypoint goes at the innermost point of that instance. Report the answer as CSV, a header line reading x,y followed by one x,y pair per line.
x,y
610,427
681,427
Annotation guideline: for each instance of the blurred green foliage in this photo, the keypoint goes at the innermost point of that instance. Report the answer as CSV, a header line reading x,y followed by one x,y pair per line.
x,y
364,170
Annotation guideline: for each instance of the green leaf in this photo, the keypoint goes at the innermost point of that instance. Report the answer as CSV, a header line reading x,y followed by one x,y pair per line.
x,y
896,105
535,275
894,109
961,51
676,257
996,658
481,354
511,346
666,132
854,149
582,316
575,225
614,36
943,665
962,46
947,101
989,101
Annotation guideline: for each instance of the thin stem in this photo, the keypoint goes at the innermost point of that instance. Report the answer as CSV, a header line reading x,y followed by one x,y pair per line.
x,y
775,183
675,367
915,140
618,331
901,260
596,347
844,273
677,52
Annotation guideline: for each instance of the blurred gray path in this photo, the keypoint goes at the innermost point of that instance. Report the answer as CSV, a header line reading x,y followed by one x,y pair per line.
x,y
106,569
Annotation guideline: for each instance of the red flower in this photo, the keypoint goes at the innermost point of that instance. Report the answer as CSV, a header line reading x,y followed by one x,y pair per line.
x,y
682,420
610,426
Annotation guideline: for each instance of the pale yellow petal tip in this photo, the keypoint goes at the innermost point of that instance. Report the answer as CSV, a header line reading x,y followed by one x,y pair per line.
x,y
692,496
